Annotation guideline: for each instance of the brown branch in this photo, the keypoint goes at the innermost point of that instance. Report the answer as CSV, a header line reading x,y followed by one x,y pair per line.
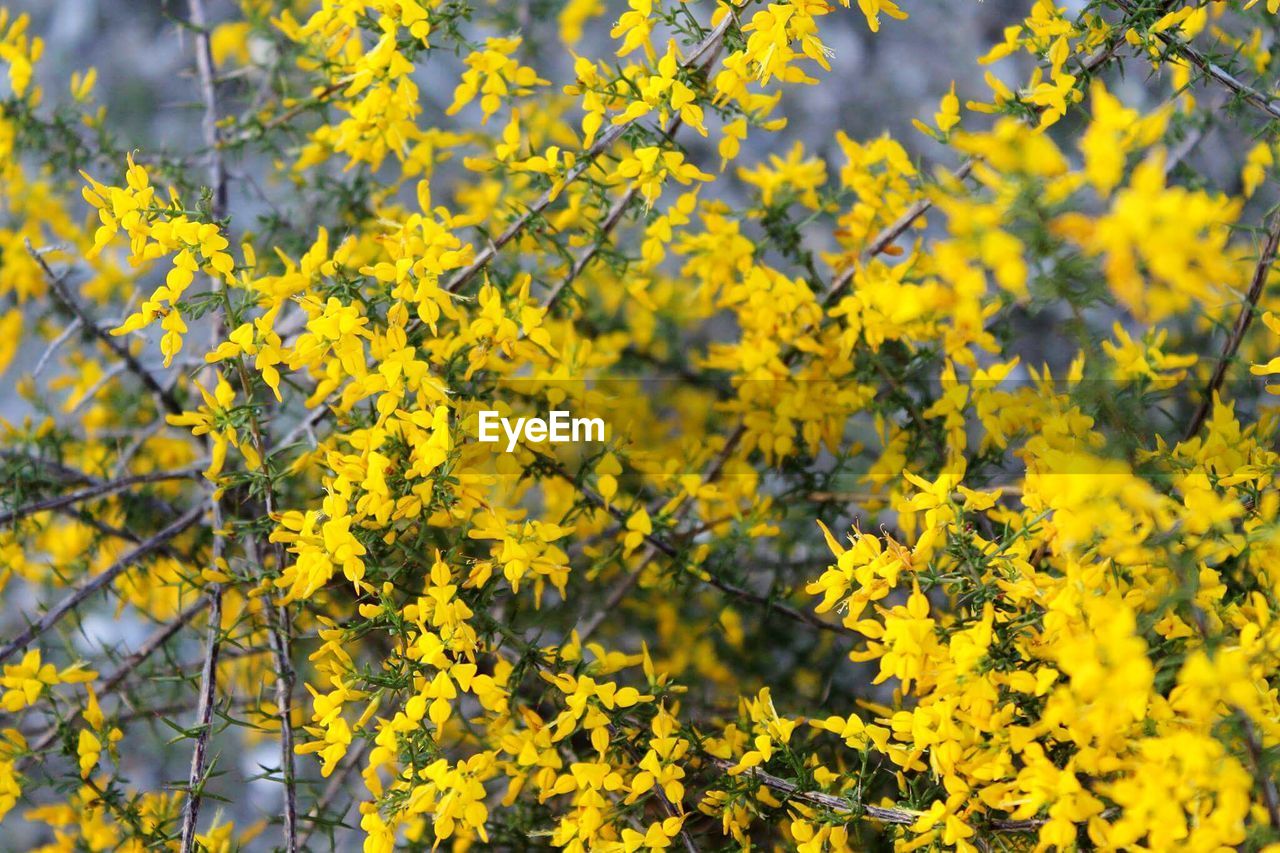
x,y
888,236
277,630
1258,99
204,720
56,284
99,490
98,581
1243,320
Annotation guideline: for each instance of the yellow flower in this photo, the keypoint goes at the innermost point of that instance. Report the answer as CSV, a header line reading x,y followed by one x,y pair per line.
x,y
648,168
25,682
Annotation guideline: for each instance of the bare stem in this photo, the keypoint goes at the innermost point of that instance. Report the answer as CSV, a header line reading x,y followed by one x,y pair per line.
x,y
204,720
98,581
218,185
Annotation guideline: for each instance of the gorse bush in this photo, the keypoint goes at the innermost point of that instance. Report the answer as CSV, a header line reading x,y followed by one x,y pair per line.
x,y
936,505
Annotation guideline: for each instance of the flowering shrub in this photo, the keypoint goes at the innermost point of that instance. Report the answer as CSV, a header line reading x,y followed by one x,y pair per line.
x,y
938,506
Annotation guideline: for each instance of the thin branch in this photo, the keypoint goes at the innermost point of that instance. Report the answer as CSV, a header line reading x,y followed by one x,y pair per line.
x,y
108,488
66,472
656,545
580,263
1184,149
157,639
71,329
218,185
888,236
121,351
585,162
277,634
290,114
663,800
278,631
1247,93
337,785
98,581
843,806
111,530
1243,320
712,48
588,625
204,720
209,95
306,425
109,685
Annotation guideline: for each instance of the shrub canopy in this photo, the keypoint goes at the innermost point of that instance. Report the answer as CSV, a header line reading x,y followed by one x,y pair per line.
x,y
937,506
